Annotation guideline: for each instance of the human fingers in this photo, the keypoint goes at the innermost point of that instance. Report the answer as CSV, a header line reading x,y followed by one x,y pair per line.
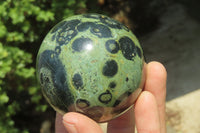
x,y
156,84
78,123
123,123
146,114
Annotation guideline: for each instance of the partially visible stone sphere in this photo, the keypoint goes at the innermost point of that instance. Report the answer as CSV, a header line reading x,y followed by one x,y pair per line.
x,y
91,64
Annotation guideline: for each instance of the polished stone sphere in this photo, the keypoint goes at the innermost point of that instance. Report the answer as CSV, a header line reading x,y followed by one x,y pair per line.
x,y
91,64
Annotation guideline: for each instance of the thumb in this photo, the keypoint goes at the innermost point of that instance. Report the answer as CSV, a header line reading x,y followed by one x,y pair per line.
x,y
78,123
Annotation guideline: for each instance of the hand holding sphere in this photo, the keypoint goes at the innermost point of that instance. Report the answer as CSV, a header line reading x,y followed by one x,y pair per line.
x,y
91,64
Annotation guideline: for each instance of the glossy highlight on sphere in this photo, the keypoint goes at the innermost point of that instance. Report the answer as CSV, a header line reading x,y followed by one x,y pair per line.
x,y
91,64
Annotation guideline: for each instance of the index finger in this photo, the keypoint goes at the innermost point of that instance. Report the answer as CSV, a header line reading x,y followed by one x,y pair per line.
x,y
156,84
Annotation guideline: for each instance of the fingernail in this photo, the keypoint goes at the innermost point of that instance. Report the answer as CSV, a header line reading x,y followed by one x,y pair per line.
x,y
71,128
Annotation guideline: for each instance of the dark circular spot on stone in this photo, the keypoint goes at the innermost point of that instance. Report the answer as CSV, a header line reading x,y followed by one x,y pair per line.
x,y
127,79
112,85
101,31
82,103
112,46
110,68
105,97
77,81
81,44
128,47
84,26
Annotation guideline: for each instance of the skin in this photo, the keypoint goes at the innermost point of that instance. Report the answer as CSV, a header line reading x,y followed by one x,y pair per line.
x,y
148,113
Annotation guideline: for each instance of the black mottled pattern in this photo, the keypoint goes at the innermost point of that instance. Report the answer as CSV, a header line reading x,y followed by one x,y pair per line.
x,y
82,103
57,90
105,97
65,31
101,31
112,85
127,79
84,26
128,47
98,30
58,49
77,81
110,68
112,46
81,44
57,27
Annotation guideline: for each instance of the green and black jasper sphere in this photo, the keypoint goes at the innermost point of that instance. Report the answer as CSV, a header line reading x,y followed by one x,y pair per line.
x,y
91,64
